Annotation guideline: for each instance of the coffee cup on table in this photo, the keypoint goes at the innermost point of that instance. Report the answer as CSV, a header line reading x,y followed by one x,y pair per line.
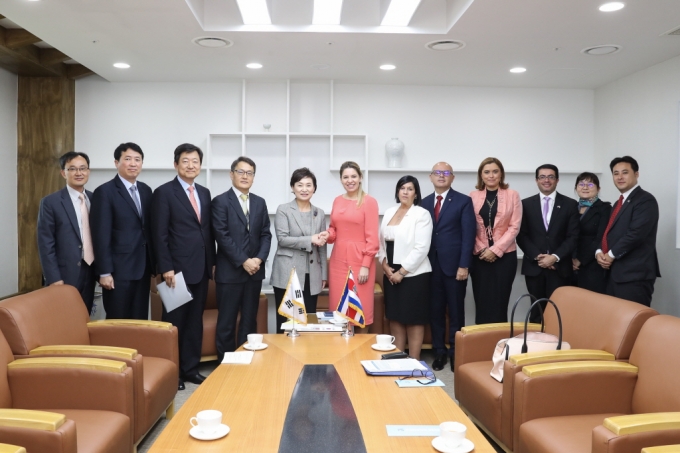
x,y
453,433
337,317
207,421
255,339
384,340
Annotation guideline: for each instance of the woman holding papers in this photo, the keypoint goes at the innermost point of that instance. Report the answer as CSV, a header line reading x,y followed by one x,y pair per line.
x,y
301,234
405,235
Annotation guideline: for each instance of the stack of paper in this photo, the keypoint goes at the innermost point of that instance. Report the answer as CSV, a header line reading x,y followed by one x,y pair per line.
x,y
242,357
394,367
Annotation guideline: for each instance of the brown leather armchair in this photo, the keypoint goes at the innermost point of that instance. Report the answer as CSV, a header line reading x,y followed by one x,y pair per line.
x,y
615,407
53,321
90,404
597,327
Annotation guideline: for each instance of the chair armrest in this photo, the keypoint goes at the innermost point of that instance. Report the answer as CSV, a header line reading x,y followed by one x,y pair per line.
x,y
661,449
638,432
40,420
532,358
85,350
640,423
37,431
547,369
477,343
7,448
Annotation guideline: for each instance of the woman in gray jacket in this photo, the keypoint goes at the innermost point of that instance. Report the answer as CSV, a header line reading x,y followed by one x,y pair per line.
x,y
301,235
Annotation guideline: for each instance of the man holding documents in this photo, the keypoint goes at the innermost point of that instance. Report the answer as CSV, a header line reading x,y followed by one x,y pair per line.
x,y
183,243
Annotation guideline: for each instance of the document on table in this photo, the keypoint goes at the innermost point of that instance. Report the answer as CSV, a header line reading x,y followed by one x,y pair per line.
x,y
384,366
177,296
288,325
240,357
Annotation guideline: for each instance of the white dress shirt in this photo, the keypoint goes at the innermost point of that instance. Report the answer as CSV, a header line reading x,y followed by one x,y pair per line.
x,y
186,186
75,199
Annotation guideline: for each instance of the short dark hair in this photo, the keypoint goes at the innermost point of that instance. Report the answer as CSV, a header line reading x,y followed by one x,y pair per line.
x,y
187,148
617,160
69,156
301,173
405,180
587,176
549,167
245,159
124,147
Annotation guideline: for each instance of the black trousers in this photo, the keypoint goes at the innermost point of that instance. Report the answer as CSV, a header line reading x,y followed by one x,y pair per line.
x,y
310,302
640,292
491,286
447,294
188,319
129,299
233,298
542,286
86,284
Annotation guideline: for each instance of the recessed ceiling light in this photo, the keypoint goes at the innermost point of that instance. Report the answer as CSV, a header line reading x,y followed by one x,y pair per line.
x,y
121,65
400,12
254,65
211,41
254,12
606,49
388,67
611,6
327,12
445,45
518,70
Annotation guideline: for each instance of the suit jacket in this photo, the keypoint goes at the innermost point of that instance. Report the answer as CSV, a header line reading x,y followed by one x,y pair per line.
x,y
632,239
121,238
296,250
560,239
235,243
181,242
592,226
412,241
453,236
506,223
59,242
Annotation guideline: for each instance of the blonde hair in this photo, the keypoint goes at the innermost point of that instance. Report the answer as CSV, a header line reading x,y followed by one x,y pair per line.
x,y
490,160
354,166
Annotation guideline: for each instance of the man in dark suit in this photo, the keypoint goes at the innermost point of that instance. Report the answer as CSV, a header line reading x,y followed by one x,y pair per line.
x,y
183,242
453,237
548,237
64,238
121,232
241,229
629,241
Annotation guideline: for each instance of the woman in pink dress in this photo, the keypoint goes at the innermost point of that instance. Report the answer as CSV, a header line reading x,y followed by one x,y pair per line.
x,y
354,231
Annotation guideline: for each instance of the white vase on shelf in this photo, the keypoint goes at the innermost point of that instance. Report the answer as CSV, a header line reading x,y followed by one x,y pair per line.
x,y
394,151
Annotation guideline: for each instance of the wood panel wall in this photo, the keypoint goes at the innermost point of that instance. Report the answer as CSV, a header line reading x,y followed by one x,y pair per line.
x,y
46,130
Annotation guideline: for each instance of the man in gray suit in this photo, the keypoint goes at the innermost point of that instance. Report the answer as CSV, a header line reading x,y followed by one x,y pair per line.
x,y
241,229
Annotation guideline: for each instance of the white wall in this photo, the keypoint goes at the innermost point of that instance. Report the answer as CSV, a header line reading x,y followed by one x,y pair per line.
x,y
9,268
638,116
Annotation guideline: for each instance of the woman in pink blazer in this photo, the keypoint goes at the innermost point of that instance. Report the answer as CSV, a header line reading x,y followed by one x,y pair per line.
x,y
498,211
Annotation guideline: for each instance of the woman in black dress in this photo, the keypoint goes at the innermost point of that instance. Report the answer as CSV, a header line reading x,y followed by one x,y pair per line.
x,y
594,217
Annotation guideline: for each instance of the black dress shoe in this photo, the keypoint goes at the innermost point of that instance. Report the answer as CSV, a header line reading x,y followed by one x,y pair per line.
x,y
195,378
453,361
439,362
181,386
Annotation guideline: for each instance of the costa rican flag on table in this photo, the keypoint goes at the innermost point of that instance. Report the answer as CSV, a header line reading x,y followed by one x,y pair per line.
x,y
350,305
293,304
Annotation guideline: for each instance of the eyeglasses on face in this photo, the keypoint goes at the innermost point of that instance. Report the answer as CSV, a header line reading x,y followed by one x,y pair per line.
x,y
586,185
428,375
548,177
249,174
446,173
77,170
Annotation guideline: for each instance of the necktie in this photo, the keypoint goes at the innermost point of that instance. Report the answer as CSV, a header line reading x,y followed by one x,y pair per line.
x,y
546,207
133,190
615,211
244,197
88,253
437,208
192,199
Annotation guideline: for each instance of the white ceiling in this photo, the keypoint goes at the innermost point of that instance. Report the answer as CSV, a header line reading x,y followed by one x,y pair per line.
x,y
545,36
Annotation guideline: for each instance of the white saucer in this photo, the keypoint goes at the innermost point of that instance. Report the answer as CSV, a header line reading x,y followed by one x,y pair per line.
x,y
379,347
440,444
221,431
255,348
339,323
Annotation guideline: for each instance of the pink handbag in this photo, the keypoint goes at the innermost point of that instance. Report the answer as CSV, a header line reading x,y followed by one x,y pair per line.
x,y
526,342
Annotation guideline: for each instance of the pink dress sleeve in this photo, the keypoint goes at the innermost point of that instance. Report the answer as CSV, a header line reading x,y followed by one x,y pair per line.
x,y
371,215
332,233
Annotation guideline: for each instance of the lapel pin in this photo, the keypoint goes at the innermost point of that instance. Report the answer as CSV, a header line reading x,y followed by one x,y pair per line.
x,y
315,213
558,207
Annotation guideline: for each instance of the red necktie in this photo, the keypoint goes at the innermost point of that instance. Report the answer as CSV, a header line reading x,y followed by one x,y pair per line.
x,y
615,211
192,200
437,208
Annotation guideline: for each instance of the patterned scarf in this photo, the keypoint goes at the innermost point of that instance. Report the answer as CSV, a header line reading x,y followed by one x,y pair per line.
x,y
587,202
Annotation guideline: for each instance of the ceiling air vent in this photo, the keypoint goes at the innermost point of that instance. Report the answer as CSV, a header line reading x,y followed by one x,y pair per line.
x,y
211,41
443,46
673,32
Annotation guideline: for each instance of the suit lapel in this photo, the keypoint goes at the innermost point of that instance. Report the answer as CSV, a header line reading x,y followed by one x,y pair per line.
x,y
556,212
205,202
296,214
127,197
236,205
184,198
448,198
626,203
591,211
70,211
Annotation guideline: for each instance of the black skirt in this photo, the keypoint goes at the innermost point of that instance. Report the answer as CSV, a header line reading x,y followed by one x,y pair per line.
x,y
409,301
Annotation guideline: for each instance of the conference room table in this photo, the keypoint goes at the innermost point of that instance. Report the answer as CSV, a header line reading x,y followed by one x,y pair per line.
x,y
254,400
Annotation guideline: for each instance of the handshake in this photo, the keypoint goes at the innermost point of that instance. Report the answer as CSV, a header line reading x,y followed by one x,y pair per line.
x,y
320,239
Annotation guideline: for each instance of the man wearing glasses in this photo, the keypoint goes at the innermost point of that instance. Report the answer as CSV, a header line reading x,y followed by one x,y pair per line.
x,y
64,239
548,237
453,237
241,229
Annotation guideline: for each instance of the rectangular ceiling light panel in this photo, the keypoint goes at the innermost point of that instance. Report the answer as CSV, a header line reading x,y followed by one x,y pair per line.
x,y
327,12
399,13
254,12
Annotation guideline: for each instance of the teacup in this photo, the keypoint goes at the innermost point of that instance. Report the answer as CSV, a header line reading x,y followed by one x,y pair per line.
x,y
453,433
384,340
207,421
255,339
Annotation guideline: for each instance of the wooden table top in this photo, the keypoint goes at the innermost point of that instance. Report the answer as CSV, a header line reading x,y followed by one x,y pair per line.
x,y
254,399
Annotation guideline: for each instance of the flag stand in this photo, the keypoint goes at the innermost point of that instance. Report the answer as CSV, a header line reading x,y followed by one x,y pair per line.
x,y
293,333
349,331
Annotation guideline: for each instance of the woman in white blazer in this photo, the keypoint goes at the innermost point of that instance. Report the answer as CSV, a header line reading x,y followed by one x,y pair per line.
x,y
301,235
405,235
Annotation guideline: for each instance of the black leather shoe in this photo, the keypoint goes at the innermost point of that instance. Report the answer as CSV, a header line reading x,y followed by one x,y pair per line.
x,y
453,361
439,362
195,378
181,386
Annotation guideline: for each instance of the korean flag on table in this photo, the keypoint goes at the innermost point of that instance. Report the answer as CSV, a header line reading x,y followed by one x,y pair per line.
x,y
293,305
350,305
